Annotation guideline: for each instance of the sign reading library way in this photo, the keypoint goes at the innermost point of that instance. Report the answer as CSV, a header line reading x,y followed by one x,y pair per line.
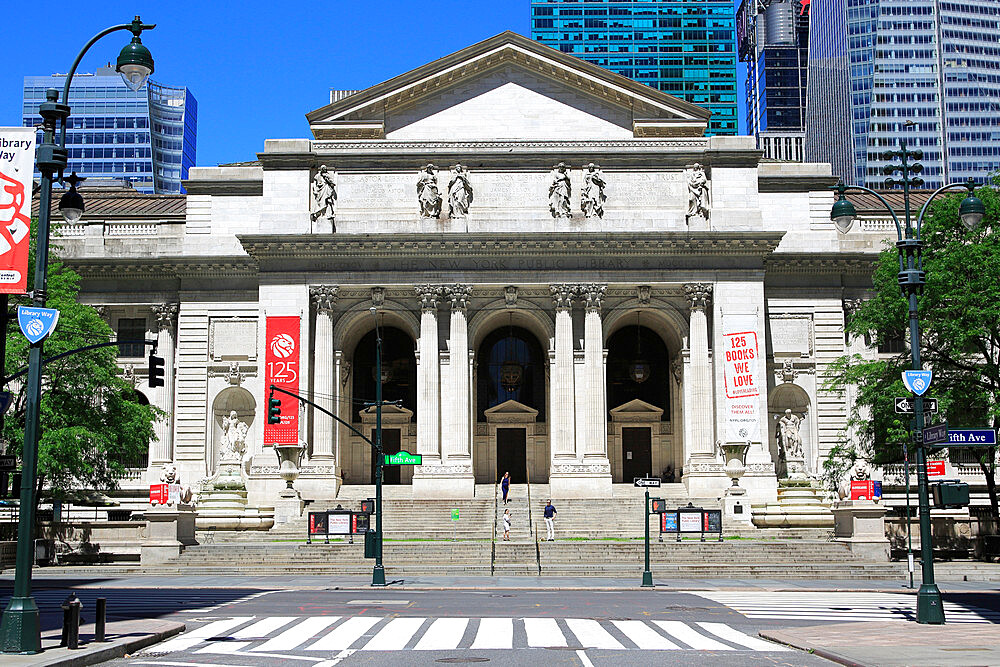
x,y
17,159
742,374
281,368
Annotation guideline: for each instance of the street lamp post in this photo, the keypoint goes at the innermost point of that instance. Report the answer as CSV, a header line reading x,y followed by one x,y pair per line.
x,y
20,628
911,279
378,572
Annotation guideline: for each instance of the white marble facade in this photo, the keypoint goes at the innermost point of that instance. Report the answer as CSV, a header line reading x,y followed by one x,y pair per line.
x,y
766,262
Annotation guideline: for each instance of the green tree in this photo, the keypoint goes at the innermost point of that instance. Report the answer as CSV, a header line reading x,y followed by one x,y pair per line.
x,y
92,421
959,313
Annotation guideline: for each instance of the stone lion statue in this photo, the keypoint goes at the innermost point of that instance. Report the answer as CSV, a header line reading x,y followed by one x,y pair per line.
x,y
169,475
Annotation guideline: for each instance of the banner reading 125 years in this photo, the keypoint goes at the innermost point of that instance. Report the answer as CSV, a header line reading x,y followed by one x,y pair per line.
x,y
17,159
741,365
281,359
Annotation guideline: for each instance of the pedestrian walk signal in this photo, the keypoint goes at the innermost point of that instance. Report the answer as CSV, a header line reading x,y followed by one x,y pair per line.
x,y
155,370
657,505
273,410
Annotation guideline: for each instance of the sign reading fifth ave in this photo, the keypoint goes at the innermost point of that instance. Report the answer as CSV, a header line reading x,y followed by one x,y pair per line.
x,y
36,323
17,157
403,459
917,381
281,368
972,437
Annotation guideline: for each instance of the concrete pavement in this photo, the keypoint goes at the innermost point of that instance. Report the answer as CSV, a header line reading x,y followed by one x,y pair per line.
x,y
123,638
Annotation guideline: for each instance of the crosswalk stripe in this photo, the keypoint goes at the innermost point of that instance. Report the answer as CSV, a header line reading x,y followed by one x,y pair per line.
x,y
345,634
263,627
298,634
592,634
543,632
444,634
644,636
494,633
686,634
198,635
736,637
224,647
395,635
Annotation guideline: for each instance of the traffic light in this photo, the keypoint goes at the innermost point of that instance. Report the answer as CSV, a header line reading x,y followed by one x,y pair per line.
x,y
657,505
273,410
155,370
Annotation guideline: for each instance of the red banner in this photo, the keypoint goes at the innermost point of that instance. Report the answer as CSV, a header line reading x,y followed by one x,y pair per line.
x,y
281,362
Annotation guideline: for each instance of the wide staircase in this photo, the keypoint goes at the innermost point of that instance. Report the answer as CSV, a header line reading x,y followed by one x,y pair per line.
x,y
594,537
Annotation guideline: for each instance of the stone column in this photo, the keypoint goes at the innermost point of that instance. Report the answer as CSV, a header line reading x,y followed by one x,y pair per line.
x,y
563,431
324,298
163,449
700,446
594,404
429,377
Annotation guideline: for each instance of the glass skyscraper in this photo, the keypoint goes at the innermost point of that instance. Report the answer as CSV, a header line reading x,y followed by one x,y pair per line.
x,y
147,137
927,71
773,39
685,48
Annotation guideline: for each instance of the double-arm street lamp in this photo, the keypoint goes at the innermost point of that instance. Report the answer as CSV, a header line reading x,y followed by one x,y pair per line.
x,y
20,627
911,280
378,572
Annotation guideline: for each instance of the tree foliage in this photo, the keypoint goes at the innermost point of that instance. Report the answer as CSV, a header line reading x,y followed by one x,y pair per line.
x,y
92,421
959,315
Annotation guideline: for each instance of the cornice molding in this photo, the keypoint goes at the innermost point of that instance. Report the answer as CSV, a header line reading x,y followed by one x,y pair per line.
x,y
815,262
164,267
225,187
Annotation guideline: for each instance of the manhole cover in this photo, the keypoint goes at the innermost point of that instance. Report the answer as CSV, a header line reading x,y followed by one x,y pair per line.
x,y
460,660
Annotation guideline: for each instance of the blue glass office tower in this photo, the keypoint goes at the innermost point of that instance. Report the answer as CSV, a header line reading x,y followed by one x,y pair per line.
x,y
772,37
147,137
685,48
924,70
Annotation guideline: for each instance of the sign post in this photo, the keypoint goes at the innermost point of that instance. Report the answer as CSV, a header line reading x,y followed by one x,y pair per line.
x,y
647,575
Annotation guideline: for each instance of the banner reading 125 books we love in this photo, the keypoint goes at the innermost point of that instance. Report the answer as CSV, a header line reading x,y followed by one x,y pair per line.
x,y
17,159
281,360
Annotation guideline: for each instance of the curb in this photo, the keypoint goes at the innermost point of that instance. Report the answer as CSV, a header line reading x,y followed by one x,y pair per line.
x,y
777,637
93,653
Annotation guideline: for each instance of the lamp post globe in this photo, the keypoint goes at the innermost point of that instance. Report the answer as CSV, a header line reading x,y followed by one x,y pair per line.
x,y
135,62
71,203
971,211
843,214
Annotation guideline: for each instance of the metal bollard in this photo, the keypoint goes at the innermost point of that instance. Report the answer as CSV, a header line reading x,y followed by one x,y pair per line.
x,y
102,608
71,622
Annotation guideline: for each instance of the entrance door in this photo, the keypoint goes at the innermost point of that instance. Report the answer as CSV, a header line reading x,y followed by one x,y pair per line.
x,y
390,445
512,454
637,453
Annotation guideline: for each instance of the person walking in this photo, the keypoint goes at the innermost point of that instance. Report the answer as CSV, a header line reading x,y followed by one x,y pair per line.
x,y
505,486
506,525
550,515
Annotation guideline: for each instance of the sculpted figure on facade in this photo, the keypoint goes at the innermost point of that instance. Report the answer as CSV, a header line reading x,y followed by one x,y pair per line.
x,y
459,192
323,193
791,439
428,196
592,196
234,439
698,197
560,191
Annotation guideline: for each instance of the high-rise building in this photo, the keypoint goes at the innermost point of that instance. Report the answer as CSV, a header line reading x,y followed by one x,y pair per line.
x,y
685,48
773,39
146,137
927,71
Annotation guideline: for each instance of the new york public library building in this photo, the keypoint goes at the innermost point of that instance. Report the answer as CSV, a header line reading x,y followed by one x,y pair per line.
x,y
570,281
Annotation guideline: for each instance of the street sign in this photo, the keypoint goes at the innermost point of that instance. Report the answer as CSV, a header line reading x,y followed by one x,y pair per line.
x,y
935,468
6,398
36,323
8,463
935,434
905,405
454,515
403,459
917,381
972,437
647,482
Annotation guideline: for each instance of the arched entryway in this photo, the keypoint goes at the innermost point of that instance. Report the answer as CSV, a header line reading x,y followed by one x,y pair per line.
x,y
639,402
399,383
510,403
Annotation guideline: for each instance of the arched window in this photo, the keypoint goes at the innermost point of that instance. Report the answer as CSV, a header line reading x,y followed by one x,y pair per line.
x,y
399,370
510,367
638,368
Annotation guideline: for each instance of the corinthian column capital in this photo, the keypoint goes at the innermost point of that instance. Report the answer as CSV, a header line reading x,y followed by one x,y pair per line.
x,y
458,294
699,295
323,297
592,294
428,296
166,315
562,295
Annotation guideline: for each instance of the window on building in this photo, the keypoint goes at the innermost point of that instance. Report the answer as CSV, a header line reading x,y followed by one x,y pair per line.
x,y
131,329
894,343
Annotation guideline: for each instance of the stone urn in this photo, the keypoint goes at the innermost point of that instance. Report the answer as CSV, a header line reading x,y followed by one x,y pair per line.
x,y
289,460
735,454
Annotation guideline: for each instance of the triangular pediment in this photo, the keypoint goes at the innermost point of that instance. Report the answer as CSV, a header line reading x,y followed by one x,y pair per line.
x,y
391,414
507,87
636,410
510,411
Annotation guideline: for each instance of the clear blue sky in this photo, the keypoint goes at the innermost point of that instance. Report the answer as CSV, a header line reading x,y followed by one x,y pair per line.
x,y
255,68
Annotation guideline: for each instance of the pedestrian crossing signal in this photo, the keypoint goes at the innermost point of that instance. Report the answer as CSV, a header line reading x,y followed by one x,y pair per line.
x,y
155,370
273,410
658,505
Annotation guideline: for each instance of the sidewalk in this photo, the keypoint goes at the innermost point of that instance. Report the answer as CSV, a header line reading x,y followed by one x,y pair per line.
x,y
896,644
124,637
